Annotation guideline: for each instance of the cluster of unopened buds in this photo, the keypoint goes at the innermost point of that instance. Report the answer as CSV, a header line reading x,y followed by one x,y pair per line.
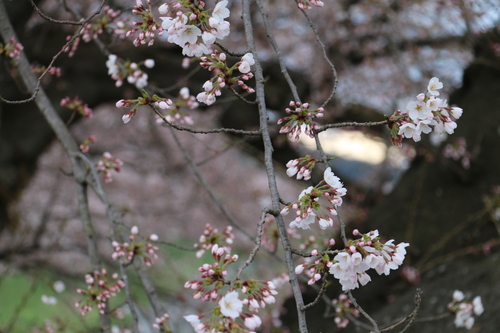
x,y
224,75
316,270
428,112
108,164
85,145
129,250
100,288
458,152
121,70
76,105
147,26
212,274
12,49
174,112
211,236
307,4
258,294
54,71
350,265
465,311
155,100
110,22
308,207
342,309
161,324
302,167
300,120
194,28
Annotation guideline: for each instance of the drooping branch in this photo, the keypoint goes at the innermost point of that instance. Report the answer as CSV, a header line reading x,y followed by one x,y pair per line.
x,y
268,158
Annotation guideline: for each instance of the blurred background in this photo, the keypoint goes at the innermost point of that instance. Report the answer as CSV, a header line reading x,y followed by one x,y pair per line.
x,y
440,195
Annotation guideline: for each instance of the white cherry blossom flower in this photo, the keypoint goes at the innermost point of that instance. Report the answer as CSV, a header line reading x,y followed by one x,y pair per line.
x,y
434,85
231,305
220,11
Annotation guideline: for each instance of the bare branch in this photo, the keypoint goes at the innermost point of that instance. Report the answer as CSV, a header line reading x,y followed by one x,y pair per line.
x,y
258,241
82,23
284,70
268,158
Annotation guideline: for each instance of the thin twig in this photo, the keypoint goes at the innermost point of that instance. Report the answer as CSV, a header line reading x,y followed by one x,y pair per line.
x,y
36,88
177,246
353,124
321,292
130,302
325,56
50,19
284,70
225,50
240,96
218,130
411,317
207,188
363,312
258,242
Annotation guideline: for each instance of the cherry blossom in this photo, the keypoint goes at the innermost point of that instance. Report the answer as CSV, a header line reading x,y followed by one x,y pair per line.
x,y
300,120
423,115
230,305
465,311
350,265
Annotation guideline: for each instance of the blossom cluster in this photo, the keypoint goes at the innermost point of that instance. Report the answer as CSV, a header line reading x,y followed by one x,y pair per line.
x,y
194,28
76,105
100,288
155,100
12,49
342,309
350,265
316,270
464,311
129,250
161,324
230,308
108,164
299,120
308,207
147,26
255,294
302,167
174,112
211,236
426,113
216,62
212,274
85,145
121,70
110,22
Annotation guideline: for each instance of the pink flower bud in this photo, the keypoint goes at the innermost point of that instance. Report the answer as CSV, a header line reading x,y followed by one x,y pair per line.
x,y
299,269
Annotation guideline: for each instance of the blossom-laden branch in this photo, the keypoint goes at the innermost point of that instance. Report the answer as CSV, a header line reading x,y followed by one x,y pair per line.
x,y
223,318
100,288
428,112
